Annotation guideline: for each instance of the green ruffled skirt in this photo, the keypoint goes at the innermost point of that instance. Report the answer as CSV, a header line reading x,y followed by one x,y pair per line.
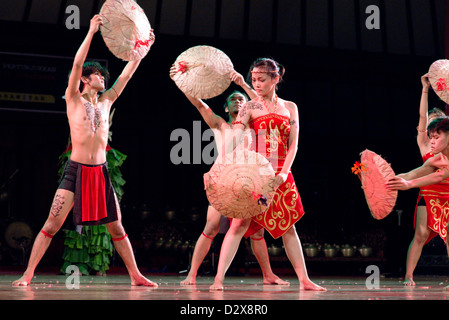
x,y
89,250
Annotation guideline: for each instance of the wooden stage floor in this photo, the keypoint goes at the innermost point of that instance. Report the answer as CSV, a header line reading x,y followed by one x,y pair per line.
x,y
242,298
117,287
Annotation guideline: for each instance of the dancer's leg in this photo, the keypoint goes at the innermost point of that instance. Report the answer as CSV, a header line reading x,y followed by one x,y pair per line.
x,y
422,233
124,249
294,252
260,250
61,205
446,288
228,250
203,244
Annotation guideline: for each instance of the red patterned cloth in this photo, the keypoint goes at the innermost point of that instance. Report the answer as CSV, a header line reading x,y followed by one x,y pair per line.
x,y
93,194
436,197
272,133
94,201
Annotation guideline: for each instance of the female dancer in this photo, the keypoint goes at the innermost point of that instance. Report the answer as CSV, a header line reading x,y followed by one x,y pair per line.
x,y
423,233
276,122
219,125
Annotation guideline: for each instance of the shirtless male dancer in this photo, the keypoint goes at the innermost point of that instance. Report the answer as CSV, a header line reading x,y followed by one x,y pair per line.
x,y
88,116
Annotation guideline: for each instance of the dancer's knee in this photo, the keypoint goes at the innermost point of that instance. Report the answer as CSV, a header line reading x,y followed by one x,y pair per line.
x,y
422,233
50,228
421,237
116,230
210,231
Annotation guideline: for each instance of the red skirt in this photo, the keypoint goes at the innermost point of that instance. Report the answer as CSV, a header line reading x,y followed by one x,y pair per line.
x,y
284,211
437,204
437,215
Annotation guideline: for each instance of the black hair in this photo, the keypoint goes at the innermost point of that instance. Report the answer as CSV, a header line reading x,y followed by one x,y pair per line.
x,y
272,67
234,93
438,125
90,67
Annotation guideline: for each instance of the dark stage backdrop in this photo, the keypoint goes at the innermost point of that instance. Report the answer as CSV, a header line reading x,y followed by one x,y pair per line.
x,y
348,99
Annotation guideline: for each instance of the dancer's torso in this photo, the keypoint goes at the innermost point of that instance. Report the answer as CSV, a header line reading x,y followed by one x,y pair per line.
x,y
89,127
272,134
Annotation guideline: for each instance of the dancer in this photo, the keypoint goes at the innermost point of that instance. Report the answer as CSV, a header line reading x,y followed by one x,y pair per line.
x,y
233,103
276,121
432,179
421,222
86,185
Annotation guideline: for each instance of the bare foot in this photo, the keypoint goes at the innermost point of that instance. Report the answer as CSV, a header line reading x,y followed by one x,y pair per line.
x,y
217,286
190,280
23,281
309,285
142,281
408,282
274,279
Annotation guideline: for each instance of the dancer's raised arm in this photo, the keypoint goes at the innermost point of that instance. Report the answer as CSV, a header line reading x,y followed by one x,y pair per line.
x,y
422,138
80,58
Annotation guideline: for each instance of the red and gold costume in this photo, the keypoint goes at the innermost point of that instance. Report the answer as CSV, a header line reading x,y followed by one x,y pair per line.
x,y
272,133
436,197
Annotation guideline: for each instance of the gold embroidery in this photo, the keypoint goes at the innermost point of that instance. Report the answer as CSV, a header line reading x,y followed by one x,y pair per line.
x,y
274,135
433,193
282,213
440,214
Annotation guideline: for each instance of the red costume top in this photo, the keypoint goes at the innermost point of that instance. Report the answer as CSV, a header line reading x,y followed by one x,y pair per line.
x,y
436,197
272,133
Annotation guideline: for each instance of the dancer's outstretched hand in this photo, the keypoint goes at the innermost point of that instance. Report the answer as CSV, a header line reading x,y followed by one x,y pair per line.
x,y
398,183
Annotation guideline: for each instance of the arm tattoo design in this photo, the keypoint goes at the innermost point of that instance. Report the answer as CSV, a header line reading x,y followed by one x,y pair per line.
x,y
56,207
293,123
251,105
